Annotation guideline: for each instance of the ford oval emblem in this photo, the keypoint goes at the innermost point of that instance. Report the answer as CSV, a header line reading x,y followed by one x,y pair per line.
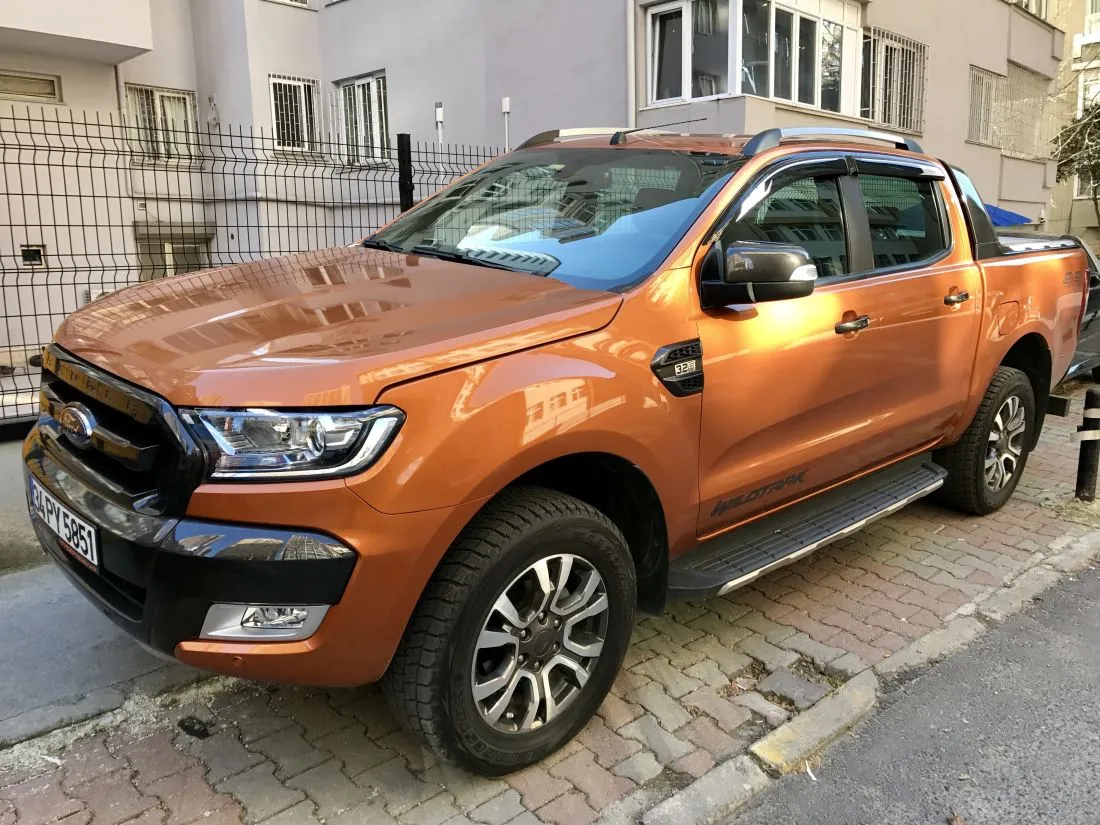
x,y
77,424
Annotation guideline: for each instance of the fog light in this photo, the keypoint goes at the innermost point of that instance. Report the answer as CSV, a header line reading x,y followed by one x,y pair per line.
x,y
275,617
262,622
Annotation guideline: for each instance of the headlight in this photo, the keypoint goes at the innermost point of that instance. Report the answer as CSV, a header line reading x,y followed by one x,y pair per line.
x,y
258,444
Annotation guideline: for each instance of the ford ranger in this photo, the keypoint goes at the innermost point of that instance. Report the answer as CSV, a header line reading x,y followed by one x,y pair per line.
x,y
602,371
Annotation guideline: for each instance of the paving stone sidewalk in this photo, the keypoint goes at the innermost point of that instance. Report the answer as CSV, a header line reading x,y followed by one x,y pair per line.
x,y
700,684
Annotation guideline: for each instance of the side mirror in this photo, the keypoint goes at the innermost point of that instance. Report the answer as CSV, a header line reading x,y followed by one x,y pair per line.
x,y
748,273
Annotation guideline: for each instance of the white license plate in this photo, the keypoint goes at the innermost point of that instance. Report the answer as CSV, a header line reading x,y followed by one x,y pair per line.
x,y
77,536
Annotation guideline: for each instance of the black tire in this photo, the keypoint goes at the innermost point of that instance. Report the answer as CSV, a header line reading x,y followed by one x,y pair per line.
x,y
429,682
1096,374
966,487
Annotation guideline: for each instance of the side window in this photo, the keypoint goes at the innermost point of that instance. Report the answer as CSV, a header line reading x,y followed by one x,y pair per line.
x,y
806,212
904,215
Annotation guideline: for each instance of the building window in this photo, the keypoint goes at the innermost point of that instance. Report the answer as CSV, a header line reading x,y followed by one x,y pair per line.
x,y
162,259
1036,7
35,88
1092,18
1088,90
1082,185
294,112
163,121
892,90
786,52
688,49
986,91
1020,121
365,117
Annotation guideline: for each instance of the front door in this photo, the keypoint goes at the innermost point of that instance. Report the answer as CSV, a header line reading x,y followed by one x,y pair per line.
x,y
793,402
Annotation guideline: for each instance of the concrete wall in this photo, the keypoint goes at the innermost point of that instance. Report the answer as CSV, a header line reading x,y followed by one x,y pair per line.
x,y
104,30
86,86
562,63
171,64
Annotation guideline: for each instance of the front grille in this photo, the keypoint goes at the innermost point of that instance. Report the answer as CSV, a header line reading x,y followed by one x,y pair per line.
x,y
138,453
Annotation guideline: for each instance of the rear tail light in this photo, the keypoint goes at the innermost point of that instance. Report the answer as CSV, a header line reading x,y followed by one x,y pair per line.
x,y
1084,297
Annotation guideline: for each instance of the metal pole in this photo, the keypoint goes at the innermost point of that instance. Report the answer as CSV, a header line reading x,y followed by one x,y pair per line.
x,y
405,188
1089,435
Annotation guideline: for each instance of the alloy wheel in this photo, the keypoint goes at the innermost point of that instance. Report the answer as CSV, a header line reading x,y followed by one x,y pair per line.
x,y
1005,449
538,646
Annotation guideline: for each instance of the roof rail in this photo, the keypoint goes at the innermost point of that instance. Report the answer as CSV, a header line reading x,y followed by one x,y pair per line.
x,y
542,138
770,138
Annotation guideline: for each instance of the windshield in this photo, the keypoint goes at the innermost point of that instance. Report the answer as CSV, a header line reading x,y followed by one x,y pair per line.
x,y
601,218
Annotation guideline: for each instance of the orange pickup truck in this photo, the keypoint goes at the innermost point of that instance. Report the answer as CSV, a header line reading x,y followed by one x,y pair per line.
x,y
599,372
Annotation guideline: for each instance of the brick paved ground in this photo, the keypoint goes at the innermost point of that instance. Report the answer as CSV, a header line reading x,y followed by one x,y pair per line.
x,y
700,684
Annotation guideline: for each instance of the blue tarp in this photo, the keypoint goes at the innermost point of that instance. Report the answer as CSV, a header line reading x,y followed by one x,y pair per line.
x,y
1003,217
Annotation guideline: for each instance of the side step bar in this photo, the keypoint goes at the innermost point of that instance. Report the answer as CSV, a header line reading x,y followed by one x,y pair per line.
x,y
736,558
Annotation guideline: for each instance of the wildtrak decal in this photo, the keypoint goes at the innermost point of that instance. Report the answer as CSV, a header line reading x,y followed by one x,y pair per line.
x,y
727,504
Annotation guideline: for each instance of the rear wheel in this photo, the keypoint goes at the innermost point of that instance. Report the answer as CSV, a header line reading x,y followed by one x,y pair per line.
x,y
1096,374
985,465
519,634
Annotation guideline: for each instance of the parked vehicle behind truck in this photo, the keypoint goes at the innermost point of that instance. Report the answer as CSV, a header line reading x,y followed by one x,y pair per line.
x,y
602,371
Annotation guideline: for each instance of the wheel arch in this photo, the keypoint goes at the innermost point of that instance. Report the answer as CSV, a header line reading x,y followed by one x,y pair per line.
x,y
1031,355
621,491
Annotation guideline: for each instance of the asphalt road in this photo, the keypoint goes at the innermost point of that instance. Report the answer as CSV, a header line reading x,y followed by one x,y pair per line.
x,y
61,660
18,546
1005,732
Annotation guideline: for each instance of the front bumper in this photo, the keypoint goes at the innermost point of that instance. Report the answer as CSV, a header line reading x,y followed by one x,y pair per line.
x,y
158,577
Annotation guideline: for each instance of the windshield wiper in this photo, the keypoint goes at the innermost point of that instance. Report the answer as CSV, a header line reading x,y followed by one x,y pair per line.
x,y
458,257
371,243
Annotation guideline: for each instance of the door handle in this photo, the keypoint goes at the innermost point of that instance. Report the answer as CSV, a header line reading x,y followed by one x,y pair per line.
x,y
855,325
956,298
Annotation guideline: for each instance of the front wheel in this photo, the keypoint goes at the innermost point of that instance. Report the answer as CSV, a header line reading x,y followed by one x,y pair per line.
x,y
985,465
519,634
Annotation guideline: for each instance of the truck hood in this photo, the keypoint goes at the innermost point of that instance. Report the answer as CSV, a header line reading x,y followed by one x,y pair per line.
x,y
327,328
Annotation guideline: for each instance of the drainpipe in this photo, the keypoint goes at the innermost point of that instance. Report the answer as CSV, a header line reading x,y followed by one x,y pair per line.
x,y
631,69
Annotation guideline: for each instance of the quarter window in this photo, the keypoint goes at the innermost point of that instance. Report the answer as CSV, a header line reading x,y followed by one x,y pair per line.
x,y
904,217
806,212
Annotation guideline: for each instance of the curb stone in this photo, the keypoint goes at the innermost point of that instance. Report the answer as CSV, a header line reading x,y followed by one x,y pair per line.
x,y
784,749
716,793
953,636
1015,597
1081,555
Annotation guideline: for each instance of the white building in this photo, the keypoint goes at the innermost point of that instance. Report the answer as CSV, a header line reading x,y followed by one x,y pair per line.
x,y
147,137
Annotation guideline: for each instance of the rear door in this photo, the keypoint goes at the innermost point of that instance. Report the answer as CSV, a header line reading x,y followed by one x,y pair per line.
x,y
923,297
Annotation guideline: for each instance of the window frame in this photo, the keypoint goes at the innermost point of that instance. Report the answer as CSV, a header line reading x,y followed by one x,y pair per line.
x,y
311,143
56,99
684,7
845,166
994,84
782,173
850,59
888,166
373,151
159,128
1091,25
886,106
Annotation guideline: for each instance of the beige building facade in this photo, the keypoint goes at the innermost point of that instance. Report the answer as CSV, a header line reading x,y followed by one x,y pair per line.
x,y
1071,208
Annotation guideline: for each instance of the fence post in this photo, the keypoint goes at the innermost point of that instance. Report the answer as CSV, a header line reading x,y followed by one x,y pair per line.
x,y
405,170
1090,447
